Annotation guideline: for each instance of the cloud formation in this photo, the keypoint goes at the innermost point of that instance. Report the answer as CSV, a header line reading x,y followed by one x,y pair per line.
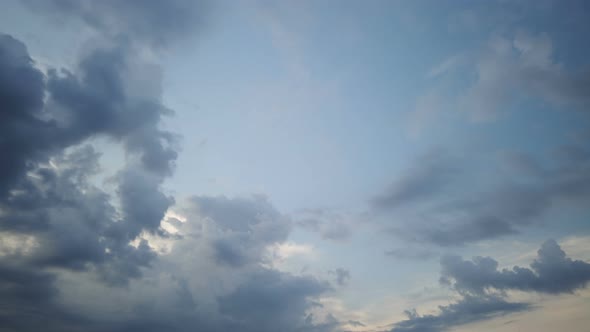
x,y
451,212
467,310
329,224
551,272
483,287
46,190
154,22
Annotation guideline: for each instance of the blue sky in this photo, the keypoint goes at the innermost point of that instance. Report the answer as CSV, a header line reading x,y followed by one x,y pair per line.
x,y
349,162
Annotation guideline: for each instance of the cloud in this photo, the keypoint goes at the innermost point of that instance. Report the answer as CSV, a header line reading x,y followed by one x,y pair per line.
x,y
271,301
483,287
524,63
329,224
154,22
85,243
283,251
44,191
431,174
467,310
24,134
47,193
432,204
551,272
341,275
245,227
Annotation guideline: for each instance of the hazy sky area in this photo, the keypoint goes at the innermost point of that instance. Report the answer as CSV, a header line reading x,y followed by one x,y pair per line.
x,y
294,166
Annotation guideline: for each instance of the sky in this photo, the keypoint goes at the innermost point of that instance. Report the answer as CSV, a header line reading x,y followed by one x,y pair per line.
x,y
296,166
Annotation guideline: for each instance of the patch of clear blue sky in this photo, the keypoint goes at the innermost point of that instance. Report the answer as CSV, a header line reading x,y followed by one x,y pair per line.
x,y
316,113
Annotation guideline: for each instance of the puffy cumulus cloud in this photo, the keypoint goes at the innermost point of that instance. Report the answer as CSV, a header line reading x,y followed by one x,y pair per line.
x,y
483,287
47,193
76,251
70,222
454,211
188,288
155,22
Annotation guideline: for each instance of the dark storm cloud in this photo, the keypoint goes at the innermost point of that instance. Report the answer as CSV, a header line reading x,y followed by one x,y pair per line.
x,y
24,134
152,21
482,287
552,272
72,221
45,187
460,213
91,102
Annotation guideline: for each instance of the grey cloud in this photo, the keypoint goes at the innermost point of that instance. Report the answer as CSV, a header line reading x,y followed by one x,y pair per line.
x,y
71,220
25,135
467,310
461,213
230,252
28,301
96,101
81,105
236,214
271,301
152,21
45,187
475,229
246,227
331,225
523,62
482,287
428,177
341,275
143,203
551,272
